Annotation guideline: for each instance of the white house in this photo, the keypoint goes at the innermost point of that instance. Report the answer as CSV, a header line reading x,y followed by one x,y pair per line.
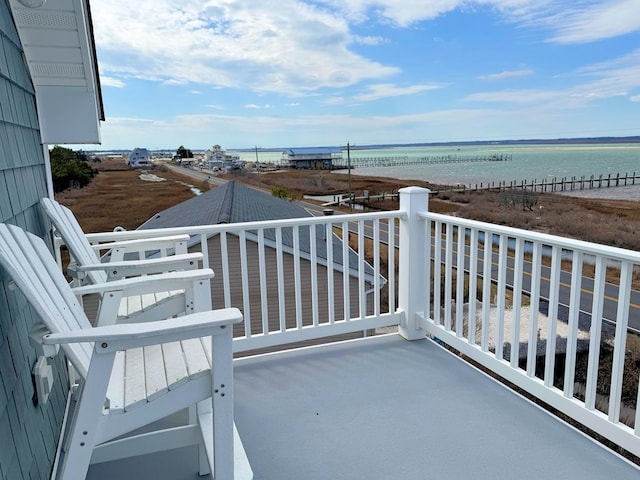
x,y
139,157
218,158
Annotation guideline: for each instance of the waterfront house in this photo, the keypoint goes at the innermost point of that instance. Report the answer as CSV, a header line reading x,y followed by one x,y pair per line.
x,y
316,158
139,157
389,406
217,158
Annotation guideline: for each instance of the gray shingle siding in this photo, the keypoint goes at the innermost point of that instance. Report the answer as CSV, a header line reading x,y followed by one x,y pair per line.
x,y
28,433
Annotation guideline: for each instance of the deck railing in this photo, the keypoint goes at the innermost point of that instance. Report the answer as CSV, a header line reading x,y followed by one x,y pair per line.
x,y
290,277
549,314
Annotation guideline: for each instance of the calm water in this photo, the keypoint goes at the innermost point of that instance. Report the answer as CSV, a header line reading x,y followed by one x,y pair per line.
x,y
529,162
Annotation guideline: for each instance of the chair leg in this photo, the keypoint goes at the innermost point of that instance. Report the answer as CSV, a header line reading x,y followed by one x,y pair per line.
x,y
222,400
204,418
82,431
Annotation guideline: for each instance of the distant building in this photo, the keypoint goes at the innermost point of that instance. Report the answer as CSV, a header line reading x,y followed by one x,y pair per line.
x,y
218,158
316,158
139,157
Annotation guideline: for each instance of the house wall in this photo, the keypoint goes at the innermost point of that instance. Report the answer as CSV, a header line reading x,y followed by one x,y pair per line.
x,y
255,307
28,432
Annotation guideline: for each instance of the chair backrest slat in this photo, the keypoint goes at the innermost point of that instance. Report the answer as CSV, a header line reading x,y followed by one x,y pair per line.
x,y
71,232
31,266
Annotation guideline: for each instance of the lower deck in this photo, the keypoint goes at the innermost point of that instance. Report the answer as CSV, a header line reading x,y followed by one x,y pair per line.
x,y
383,407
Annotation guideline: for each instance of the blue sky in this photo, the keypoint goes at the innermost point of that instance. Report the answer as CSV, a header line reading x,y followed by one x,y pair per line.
x,y
291,73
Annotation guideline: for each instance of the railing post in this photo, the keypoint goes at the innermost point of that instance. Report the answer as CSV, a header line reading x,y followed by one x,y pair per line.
x,y
412,282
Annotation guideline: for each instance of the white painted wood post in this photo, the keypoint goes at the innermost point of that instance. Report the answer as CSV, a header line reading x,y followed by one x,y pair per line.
x,y
412,282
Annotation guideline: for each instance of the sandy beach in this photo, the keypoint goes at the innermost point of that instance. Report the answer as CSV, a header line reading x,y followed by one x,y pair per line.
x,y
631,192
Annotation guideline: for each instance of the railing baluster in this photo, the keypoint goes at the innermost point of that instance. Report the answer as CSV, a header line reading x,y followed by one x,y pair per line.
x,y
619,348
297,276
501,293
595,334
264,306
448,276
281,290
473,284
245,283
362,307
427,268
572,333
517,303
204,248
346,267
224,257
460,283
314,274
376,267
486,290
534,309
330,288
437,273
552,316
391,264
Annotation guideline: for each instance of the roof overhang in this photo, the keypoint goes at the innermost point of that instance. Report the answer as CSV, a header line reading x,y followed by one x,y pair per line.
x,y
58,43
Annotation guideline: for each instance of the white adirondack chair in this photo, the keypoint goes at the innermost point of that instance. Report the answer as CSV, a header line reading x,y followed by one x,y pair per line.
x,y
169,295
168,365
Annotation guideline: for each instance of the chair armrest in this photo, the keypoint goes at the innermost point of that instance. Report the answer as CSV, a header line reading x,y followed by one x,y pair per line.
x,y
148,266
147,284
166,246
118,337
135,242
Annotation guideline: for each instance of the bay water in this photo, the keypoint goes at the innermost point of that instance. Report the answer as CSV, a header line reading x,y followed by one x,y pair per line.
x,y
528,162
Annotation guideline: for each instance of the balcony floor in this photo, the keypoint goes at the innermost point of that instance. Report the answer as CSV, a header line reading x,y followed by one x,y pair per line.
x,y
383,407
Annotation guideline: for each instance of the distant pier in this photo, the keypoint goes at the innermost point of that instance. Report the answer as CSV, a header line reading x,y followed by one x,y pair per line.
x,y
564,184
405,160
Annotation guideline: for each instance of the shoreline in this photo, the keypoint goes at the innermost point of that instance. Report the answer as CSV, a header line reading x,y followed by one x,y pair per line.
x,y
630,193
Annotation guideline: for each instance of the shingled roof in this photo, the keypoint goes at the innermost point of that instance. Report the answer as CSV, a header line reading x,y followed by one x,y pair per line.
x,y
236,203
229,203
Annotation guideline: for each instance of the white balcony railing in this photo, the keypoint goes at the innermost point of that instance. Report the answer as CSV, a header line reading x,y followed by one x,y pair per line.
x,y
520,303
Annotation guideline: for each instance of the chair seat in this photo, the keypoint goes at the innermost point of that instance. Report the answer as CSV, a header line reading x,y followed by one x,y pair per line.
x,y
135,305
141,375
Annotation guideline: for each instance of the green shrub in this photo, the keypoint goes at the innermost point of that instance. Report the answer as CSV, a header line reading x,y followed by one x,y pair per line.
x,y
69,169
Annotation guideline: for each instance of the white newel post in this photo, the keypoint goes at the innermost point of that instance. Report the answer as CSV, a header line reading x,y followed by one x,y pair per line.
x,y
413,256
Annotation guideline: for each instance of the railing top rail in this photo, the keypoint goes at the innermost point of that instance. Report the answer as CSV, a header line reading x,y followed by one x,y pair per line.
x,y
544,238
237,227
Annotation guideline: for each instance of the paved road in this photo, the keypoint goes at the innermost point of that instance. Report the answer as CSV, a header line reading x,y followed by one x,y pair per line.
x,y
200,175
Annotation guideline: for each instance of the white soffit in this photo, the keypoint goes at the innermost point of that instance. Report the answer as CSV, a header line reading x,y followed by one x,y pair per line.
x,y
59,47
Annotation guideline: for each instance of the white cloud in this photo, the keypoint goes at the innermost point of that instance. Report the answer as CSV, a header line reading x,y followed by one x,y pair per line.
x,y
568,21
293,49
514,96
590,21
609,79
254,106
369,40
635,98
507,74
385,90
106,81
